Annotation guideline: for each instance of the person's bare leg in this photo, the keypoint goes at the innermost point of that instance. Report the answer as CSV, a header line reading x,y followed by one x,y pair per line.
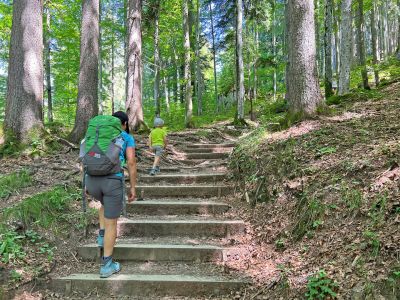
x,y
156,162
101,217
110,236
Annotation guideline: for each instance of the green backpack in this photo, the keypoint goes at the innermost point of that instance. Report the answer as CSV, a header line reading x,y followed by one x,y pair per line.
x,y
100,150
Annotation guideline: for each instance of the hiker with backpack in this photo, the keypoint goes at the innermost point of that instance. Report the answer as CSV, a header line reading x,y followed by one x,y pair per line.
x,y
106,149
157,143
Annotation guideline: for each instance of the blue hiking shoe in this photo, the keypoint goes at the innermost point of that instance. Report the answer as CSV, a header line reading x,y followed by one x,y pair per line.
x,y
111,267
158,169
152,172
100,241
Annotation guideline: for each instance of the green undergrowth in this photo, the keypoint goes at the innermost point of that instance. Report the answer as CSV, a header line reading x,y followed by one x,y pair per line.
x,y
31,230
325,179
41,142
14,182
43,209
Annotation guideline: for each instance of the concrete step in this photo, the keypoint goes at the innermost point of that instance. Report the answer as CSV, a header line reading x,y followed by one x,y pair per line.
x,y
148,286
182,178
225,145
182,227
160,207
163,169
147,191
156,252
206,155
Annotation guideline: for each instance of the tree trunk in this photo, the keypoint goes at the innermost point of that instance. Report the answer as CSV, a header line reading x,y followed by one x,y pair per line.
x,y
101,104
239,62
374,41
177,85
157,103
303,92
113,74
166,91
198,69
328,47
361,44
87,106
25,70
317,36
48,67
345,47
214,56
133,103
398,29
274,49
337,48
187,71
255,65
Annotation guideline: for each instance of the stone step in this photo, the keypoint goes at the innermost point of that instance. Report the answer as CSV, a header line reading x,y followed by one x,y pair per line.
x,y
148,286
183,178
146,191
182,227
225,145
206,155
156,252
160,207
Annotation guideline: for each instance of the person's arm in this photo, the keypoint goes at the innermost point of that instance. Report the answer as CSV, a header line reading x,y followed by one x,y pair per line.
x,y
131,164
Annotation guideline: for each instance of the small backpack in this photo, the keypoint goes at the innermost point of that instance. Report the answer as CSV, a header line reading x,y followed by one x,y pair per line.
x,y
100,149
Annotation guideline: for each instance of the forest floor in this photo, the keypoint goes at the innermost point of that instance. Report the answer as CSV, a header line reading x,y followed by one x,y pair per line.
x,y
323,203
321,195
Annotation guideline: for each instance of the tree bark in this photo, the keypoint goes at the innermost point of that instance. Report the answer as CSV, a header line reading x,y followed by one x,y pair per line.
x,y
166,91
48,66
398,30
317,37
187,68
374,41
101,104
133,103
274,83
214,56
303,92
328,47
361,44
345,48
113,74
157,103
239,62
87,106
255,64
337,48
25,70
198,91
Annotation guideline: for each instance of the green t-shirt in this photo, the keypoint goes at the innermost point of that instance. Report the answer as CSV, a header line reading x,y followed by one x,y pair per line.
x,y
157,136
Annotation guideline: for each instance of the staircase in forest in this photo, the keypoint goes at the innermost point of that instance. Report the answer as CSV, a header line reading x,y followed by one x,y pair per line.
x,y
170,244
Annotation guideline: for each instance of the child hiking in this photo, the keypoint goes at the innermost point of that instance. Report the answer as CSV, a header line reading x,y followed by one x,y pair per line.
x,y
157,143
106,149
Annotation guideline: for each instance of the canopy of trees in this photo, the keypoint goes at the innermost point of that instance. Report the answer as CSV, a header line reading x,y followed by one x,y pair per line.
x,y
184,60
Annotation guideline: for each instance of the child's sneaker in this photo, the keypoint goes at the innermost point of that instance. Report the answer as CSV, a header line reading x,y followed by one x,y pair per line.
x,y
158,169
111,267
100,241
153,172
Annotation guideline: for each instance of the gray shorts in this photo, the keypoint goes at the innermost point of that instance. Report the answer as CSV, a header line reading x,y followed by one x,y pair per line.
x,y
108,190
158,150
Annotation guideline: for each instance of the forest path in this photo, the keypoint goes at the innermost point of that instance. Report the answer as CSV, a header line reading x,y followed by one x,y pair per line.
x,y
174,243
